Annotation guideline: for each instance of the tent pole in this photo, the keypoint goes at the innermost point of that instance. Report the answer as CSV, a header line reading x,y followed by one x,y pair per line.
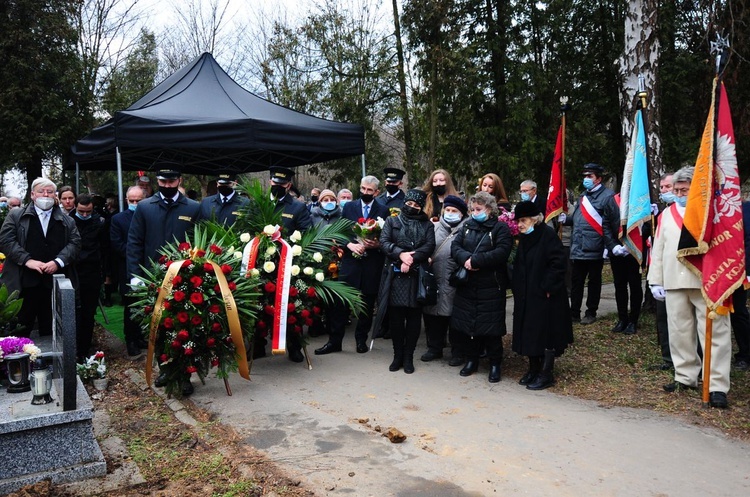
x,y
363,166
119,178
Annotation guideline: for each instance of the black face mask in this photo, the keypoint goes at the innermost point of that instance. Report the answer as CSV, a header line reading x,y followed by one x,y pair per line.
x,y
438,190
366,197
168,191
313,198
278,191
392,189
410,211
225,190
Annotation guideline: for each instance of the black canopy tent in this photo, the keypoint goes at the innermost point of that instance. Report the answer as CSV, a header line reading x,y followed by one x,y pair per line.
x,y
202,119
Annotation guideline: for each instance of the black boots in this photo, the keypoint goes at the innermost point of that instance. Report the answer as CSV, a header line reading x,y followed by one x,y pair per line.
x,y
494,372
470,368
398,361
409,363
544,379
535,364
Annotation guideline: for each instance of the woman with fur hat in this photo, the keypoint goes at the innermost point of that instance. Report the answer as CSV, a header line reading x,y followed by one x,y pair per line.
x,y
542,325
327,210
407,240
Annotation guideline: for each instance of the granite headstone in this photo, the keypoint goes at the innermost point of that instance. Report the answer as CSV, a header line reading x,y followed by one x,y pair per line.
x,y
64,341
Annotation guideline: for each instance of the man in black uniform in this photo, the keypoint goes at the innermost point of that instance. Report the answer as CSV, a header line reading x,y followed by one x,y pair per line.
x,y
224,206
393,196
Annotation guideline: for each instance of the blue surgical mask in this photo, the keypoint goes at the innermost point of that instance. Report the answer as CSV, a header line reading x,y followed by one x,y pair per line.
x,y
132,207
588,183
667,198
329,206
525,197
529,230
343,202
681,201
452,217
481,217
3,205
82,218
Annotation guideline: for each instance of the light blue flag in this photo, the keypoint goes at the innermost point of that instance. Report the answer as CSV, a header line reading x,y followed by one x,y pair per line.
x,y
635,200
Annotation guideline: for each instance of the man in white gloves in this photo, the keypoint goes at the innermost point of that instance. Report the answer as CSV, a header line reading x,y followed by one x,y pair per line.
x,y
626,274
673,282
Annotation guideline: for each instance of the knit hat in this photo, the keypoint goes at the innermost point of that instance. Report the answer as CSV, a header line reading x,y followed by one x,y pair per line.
x,y
526,209
327,192
416,195
457,202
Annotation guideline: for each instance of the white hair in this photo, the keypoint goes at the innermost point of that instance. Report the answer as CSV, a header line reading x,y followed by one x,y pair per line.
x,y
43,182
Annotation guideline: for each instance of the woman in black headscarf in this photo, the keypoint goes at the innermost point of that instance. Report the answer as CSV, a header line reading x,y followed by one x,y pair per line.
x,y
407,240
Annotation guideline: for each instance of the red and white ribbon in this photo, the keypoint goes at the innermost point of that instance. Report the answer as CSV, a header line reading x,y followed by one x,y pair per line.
x,y
591,215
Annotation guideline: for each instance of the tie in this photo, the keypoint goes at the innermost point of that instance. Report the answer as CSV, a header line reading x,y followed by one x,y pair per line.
x,y
169,201
225,201
366,211
45,221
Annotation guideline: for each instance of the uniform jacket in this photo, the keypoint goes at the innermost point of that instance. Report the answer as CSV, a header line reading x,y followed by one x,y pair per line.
x,y
13,235
213,208
154,225
442,266
295,215
118,237
396,200
362,273
586,243
479,306
666,270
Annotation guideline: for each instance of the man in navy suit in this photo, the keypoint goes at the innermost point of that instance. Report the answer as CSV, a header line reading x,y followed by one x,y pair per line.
x,y
224,206
361,266
295,215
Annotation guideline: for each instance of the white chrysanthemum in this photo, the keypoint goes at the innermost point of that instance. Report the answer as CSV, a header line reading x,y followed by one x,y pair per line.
x,y
245,237
320,276
255,272
237,255
317,257
271,250
32,350
269,267
308,270
296,236
269,230
297,250
295,270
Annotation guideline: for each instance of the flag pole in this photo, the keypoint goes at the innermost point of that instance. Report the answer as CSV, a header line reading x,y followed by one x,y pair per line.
x,y
563,109
643,104
721,48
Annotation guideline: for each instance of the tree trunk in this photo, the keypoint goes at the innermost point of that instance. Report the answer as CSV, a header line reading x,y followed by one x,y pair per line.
x,y
33,171
408,162
641,57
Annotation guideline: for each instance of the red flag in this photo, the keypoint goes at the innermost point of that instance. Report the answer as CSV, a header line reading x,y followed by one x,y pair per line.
x,y
556,197
712,239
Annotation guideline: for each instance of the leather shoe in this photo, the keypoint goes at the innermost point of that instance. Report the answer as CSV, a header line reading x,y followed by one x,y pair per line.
x,y
588,319
619,327
327,349
134,351
398,361
469,369
676,386
431,355
741,365
494,376
718,399
187,388
296,355
630,329
456,361
160,380
362,347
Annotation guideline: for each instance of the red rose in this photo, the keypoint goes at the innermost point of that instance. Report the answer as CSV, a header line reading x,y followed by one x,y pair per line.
x,y
316,309
293,292
196,298
178,296
232,286
168,323
168,263
217,288
208,267
186,262
176,344
305,313
298,330
268,309
226,268
308,322
311,292
183,317
163,259
211,342
177,280
361,220
291,320
196,281
183,335
197,320
216,327
215,249
270,287
99,355
261,325
215,362
290,307
191,369
148,309
200,253
214,309
163,358
183,246
188,351
167,305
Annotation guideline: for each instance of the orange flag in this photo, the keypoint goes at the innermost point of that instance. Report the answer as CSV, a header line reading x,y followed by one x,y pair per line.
x,y
712,239
556,198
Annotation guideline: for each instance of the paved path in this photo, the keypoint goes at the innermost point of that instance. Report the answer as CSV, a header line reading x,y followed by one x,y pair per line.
x,y
465,437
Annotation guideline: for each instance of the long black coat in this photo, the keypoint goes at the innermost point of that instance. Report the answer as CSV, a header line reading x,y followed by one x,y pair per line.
x,y
479,306
540,322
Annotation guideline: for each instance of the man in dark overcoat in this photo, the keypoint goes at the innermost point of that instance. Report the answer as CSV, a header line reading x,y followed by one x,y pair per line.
x,y
225,205
393,196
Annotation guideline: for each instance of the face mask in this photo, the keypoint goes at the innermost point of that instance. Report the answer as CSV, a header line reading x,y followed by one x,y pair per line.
x,y
452,217
481,217
168,191
366,197
3,205
225,190
44,203
438,190
329,206
313,198
82,217
525,197
681,201
392,189
529,230
132,207
667,198
588,183
410,211
343,202
278,191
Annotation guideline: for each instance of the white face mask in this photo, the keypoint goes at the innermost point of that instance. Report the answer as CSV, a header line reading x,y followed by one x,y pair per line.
x,y
44,203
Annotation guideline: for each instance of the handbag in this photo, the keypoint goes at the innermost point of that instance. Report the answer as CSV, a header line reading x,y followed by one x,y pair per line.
x,y
460,275
427,289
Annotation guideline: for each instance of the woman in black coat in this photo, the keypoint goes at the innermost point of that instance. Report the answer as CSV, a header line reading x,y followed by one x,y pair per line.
x,y
542,325
482,247
407,241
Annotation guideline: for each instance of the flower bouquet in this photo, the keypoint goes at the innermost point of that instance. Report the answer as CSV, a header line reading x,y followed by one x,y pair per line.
x,y
15,345
368,229
196,310
509,218
93,368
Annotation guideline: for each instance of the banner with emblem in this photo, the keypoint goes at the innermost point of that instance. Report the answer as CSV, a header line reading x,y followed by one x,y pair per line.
x,y
635,198
556,197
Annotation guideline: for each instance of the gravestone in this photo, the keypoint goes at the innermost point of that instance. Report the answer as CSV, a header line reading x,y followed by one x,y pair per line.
x,y
64,373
